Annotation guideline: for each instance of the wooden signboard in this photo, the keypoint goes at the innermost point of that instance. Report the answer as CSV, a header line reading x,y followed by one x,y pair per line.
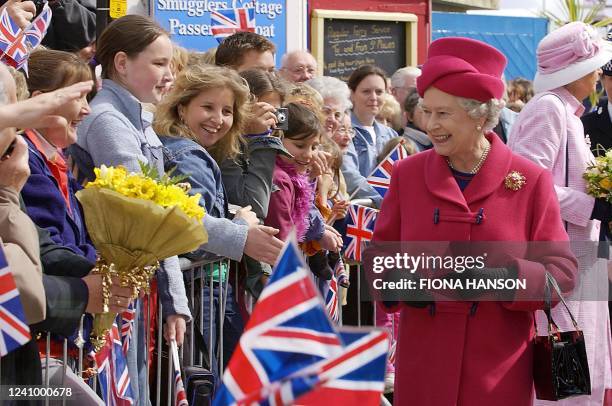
x,y
344,40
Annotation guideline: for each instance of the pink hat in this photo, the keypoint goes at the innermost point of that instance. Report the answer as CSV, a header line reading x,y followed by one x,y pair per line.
x,y
463,67
569,53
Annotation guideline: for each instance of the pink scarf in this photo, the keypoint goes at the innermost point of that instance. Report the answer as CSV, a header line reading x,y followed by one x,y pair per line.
x,y
304,197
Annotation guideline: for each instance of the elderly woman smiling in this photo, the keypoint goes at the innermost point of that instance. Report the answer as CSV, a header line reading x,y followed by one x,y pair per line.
x,y
471,188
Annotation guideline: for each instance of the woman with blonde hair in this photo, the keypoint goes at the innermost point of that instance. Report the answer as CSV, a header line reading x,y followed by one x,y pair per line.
x,y
201,120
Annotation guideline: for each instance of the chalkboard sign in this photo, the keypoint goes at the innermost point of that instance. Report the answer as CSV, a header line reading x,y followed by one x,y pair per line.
x,y
344,40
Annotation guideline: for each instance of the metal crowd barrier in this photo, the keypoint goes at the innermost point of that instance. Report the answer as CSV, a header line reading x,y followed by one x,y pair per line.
x,y
196,275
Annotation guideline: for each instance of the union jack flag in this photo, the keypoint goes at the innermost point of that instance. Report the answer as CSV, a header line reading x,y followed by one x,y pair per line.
x,y
288,331
14,331
180,397
381,175
356,376
13,47
359,230
331,300
127,323
113,372
226,22
37,30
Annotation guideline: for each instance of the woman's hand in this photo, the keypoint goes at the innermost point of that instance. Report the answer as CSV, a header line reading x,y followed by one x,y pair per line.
x,y
174,329
118,302
22,12
246,214
331,240
261,244
14,167
340,208
318,164
41,111
263,118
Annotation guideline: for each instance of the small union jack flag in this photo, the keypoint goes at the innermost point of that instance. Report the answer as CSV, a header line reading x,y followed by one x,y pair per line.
x,y
287,331
37,30
331,300
113,372
127,324
381,175
180,397
13,49
226,22
14,331
359,230
354,377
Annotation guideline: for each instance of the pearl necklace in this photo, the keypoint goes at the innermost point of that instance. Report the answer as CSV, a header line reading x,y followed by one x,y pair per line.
x,y
476,167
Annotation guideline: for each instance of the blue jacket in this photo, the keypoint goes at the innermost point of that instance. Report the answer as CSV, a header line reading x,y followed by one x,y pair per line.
x,y
203,174
47,208
360,159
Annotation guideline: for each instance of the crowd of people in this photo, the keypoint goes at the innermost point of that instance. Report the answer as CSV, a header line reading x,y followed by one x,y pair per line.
x,y
213,117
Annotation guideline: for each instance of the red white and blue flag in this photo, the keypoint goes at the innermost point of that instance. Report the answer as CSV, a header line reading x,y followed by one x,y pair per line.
x,y
16,44
359,230
13,49
381,175
290,347
113,372
14,331
180,397
331,300
226,22
37,30
288,331
357,376
127,324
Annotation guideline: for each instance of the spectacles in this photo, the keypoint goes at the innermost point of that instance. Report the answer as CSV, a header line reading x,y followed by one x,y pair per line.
x,y
303,69
344,130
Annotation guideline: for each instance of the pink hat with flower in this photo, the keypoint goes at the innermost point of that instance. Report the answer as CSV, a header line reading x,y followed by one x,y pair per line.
x,y
569,53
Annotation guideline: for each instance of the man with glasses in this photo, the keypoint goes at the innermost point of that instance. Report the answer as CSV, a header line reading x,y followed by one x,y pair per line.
x,y
298,66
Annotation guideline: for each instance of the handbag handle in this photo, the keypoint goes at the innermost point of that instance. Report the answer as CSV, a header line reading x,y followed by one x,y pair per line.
x,y
551,282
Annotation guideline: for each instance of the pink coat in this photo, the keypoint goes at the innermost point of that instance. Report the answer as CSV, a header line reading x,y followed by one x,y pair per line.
x,y
547,125
453,357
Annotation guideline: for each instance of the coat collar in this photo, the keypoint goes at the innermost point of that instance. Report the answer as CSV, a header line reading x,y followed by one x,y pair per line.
x,y
440,181
131,107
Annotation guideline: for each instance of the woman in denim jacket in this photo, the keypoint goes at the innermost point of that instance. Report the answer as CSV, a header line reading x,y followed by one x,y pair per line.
x,y
203,116
367,83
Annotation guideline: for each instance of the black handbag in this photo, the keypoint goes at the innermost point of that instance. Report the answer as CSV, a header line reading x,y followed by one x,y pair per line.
x,y
560,368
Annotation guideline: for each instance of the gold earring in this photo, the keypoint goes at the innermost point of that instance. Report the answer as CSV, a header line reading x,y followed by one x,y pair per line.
x,y
478,127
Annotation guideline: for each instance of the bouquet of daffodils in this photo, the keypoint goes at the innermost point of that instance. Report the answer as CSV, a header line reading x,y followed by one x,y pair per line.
x,y
136,220
599,177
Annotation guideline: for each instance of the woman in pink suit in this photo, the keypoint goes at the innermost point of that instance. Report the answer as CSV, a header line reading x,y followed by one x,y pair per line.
x,y
470,187
549,132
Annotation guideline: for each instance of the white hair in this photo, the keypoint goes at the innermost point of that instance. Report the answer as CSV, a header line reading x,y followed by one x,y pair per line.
x,y
285,58
398,78
490,110
332,88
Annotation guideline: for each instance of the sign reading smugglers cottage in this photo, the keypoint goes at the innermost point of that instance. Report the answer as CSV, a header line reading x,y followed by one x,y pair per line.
x,y
345,40
189,23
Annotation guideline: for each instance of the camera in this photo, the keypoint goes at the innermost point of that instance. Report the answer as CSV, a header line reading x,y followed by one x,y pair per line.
x,y
282,119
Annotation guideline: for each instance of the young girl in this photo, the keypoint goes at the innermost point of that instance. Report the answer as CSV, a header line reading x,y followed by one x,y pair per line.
x,y
204,115
49,196
135,55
